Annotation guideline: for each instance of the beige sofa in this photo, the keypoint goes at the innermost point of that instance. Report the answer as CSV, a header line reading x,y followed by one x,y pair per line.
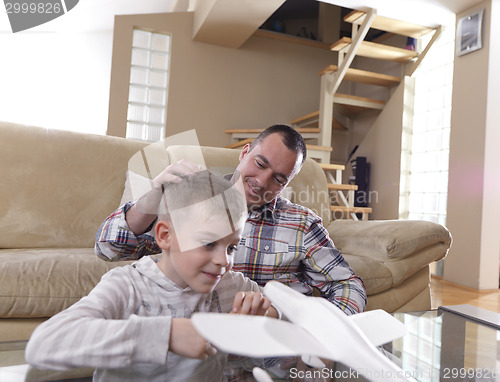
x,y
57,187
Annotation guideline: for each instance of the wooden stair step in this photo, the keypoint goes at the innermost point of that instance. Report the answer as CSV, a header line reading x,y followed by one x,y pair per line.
x,y
318,148
243,142
378,51
365,77
258,131
332,166
238,144
306,132
313,118
356,104
342,187
389,25
366,210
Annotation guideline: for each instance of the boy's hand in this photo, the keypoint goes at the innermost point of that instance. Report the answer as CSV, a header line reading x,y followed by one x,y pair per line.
x,y
253,303
187,342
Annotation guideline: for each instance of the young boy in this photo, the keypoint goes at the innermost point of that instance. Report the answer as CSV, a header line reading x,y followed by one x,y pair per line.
x,y
135,324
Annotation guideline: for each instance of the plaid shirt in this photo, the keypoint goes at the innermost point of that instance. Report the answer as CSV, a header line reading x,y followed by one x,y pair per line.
x,y
283,241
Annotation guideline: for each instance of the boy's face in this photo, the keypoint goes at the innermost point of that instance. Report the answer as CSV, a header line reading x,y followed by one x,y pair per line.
x,y
209,256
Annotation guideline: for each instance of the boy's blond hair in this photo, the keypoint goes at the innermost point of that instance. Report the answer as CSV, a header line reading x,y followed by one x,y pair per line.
x,y
203,194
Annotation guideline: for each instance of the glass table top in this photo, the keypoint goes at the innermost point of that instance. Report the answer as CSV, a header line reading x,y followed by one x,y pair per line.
x,y
439,346
443,346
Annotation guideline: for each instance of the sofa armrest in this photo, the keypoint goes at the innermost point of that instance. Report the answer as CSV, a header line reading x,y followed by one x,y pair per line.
x,y
385,240
386,253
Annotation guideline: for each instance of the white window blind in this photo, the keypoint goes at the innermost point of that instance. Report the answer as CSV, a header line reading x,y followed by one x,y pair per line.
x,y
146,116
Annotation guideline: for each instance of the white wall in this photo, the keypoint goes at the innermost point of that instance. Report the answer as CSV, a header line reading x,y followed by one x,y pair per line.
x,y
56,79
474,187
57,74
213,88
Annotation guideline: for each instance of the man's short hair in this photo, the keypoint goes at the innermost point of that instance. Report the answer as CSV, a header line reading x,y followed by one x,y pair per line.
x,y
291,139
210,193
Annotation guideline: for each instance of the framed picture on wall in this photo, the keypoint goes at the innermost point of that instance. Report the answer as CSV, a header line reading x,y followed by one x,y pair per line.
x,y
469,36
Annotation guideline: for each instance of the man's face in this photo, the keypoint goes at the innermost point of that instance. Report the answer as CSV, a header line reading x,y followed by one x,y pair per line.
x,y
267,169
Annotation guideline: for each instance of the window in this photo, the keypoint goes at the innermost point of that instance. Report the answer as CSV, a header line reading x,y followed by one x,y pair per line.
x,y
426,139
146,115
424,177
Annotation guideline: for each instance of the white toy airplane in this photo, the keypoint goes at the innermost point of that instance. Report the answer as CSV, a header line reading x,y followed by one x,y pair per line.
x,y
317,329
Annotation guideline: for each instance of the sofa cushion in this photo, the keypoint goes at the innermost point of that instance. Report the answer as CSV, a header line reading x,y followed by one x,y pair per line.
x,y
375,275
402,269
58,186
42,282
414,294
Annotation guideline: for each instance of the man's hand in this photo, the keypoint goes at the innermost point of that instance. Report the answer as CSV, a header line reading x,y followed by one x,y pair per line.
x,y
187,342
140,216
253,303
174,172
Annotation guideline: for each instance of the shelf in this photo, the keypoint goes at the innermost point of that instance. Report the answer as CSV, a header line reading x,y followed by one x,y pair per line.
x,y
378,51
389,25
365,77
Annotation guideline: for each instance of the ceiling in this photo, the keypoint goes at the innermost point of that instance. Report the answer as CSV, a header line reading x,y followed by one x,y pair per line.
x,y
99,15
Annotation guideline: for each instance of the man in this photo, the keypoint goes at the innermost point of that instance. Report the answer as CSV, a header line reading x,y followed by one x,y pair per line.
x,y
281,240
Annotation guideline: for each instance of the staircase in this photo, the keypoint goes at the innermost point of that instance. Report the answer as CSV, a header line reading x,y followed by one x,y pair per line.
x,y
317,125
347,49
342,195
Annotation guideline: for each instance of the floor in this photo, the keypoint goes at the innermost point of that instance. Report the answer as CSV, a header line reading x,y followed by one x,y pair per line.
x,y
446,293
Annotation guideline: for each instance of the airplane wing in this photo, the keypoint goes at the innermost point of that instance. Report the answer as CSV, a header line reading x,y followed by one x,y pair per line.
x,y
349,341
267,337
256,336
379,326
317,329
